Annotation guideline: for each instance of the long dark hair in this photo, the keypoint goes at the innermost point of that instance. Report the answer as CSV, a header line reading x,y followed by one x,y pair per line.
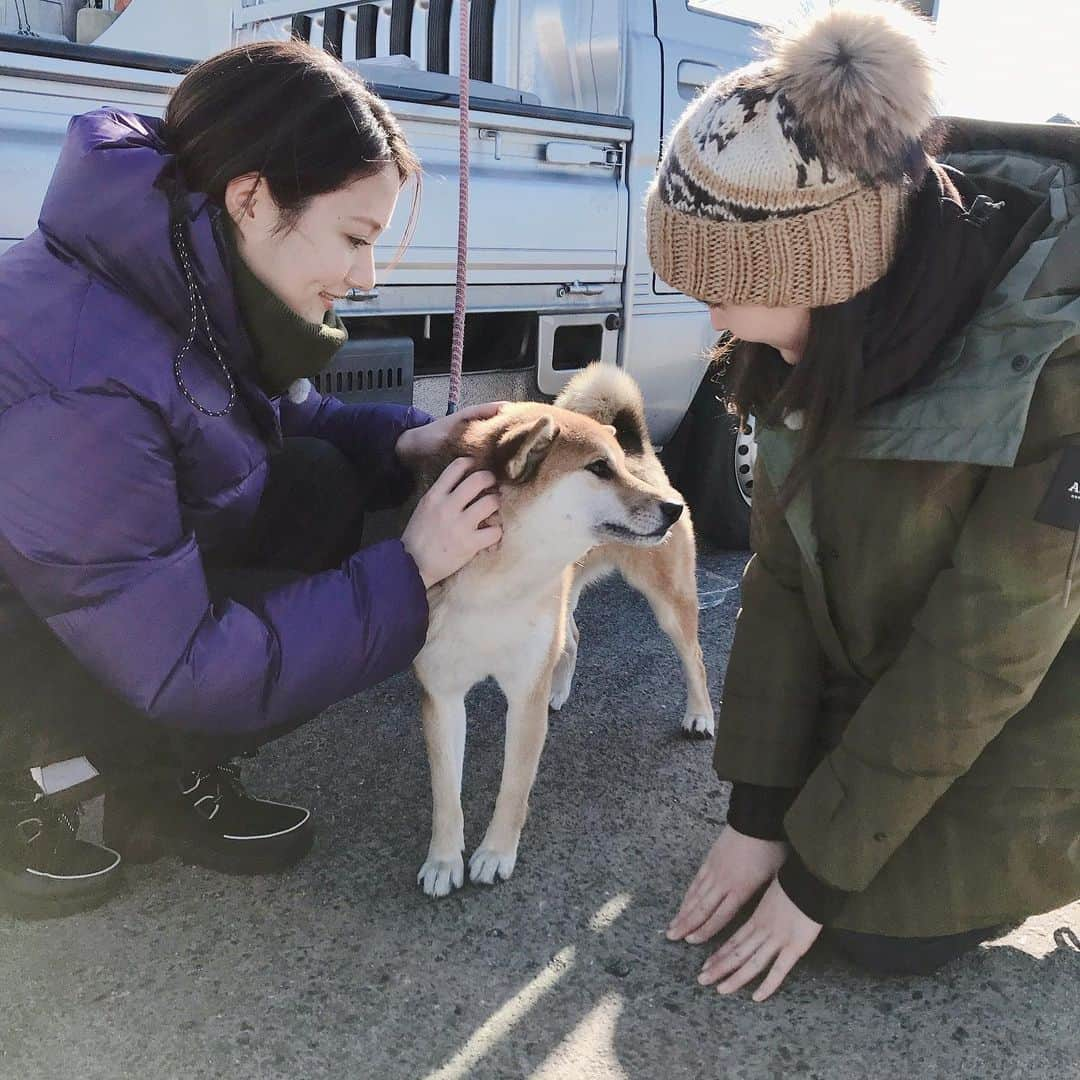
x,y
290,114
884,340
824,386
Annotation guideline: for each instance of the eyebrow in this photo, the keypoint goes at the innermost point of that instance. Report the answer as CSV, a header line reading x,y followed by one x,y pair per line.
x,y
371,222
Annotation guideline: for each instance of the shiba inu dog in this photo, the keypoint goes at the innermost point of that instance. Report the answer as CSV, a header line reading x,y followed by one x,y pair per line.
x,y
582,494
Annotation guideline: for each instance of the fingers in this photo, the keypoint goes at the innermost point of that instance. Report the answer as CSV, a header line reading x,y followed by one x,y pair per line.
x,y
736,940
784,962
754,964
716,922
488,536
778,933
705,892
732,955
692,892
452,476
481,412
702,895
481,510
472,486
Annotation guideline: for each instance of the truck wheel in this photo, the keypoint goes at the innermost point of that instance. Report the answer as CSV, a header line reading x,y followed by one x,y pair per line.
x,y
717,471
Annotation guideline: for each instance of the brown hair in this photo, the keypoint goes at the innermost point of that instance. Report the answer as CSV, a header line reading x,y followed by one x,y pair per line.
x,y
289,114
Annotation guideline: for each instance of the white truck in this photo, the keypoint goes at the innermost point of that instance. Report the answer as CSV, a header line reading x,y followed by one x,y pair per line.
x,y
570,100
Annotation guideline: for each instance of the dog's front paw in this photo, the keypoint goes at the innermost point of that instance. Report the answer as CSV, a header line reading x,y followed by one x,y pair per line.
x,y
697,725
439,877
487,865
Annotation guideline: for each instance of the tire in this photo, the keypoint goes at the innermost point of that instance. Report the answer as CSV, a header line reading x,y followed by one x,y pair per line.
x,y
716,473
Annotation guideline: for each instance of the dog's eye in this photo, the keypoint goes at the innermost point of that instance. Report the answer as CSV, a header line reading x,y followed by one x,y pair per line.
x,y
600,468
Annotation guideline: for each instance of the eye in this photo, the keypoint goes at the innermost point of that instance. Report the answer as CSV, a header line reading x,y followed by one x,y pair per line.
x,y
600,468
358,241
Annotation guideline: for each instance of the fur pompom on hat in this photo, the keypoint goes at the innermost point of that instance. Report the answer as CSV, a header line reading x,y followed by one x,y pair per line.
x,y
785,182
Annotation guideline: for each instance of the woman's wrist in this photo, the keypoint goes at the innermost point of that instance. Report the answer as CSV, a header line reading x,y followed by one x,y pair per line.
x,y
404,448
758,811
815,898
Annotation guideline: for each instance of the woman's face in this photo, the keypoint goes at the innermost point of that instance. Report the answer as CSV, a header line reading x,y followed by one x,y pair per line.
x,y
784,328
329,251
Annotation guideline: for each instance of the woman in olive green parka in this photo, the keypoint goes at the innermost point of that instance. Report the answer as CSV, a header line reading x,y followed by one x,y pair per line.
x,y
901,713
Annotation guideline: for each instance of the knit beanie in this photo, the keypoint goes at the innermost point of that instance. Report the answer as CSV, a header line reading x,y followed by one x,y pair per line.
x,y
785,182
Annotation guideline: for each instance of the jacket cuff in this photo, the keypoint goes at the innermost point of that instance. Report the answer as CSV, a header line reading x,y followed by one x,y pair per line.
x,y
758,811
812,896
397,482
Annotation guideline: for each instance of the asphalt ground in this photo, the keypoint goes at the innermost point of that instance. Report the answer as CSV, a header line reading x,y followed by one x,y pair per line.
x,y
343,968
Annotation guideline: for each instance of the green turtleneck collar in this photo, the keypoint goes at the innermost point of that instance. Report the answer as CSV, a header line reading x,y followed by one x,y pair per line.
x,y
287,347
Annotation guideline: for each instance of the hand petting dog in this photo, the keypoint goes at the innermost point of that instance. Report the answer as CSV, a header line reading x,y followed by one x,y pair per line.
x,y
454,520
418,445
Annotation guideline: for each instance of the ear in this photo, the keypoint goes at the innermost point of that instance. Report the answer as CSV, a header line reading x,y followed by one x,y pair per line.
x,y
523,449
240,195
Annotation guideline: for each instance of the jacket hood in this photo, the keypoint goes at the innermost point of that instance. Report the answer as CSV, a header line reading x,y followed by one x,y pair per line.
x,y
111,206
976,407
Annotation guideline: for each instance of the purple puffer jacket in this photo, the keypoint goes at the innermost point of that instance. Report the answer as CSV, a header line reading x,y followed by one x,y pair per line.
x,y
112,486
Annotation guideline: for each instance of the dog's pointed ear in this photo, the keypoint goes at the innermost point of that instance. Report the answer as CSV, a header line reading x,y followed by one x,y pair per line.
x,y
522,449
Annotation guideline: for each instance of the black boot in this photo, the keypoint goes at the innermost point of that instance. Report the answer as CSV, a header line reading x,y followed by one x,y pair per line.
x,y
206,818
44,870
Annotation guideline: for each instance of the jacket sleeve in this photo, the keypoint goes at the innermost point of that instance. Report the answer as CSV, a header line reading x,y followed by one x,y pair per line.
x,y
992,623
92,537
365,434
772,688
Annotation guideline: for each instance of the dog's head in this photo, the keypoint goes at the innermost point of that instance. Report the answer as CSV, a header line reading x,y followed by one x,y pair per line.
x,y
563,478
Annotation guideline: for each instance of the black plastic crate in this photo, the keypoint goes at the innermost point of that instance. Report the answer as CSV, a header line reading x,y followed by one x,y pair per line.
x,y
370,369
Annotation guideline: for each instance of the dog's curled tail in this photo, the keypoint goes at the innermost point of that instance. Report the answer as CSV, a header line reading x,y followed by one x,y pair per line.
x,y
609,396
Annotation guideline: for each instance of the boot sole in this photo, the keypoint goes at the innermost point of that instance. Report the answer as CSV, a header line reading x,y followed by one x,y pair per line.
x,y
27,898
241,858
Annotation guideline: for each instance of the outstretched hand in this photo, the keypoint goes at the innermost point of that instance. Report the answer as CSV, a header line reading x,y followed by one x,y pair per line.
x,y
735,868
778,933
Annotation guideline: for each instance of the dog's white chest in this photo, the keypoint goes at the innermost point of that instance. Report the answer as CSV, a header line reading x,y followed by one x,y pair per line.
x,y
473,637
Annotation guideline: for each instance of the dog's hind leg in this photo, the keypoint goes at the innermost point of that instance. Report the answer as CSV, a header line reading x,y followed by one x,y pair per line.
x,y
526,730
444,730
594,568
566,665
675,604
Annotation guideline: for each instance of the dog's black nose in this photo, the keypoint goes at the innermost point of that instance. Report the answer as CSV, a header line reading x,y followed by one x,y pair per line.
x,y
671,511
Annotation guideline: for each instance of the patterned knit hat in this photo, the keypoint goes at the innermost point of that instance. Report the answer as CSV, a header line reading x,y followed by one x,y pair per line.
x,y
785,182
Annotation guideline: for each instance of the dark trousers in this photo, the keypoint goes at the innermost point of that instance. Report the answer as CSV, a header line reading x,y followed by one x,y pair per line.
x,y
906,956
310,518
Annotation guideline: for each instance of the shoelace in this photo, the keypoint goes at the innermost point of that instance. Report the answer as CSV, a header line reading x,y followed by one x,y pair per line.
x,y
225,778
45,820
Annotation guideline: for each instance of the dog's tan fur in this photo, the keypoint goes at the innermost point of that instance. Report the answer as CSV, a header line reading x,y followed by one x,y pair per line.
x,y
509,612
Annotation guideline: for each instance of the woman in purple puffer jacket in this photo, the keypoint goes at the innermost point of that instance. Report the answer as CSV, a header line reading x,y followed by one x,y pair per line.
x,y
180,572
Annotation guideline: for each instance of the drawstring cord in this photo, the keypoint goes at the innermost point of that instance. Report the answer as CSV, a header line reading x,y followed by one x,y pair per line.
x,y
198,308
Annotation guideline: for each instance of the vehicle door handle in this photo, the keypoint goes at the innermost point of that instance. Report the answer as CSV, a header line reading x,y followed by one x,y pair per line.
x,y
576,153
575,288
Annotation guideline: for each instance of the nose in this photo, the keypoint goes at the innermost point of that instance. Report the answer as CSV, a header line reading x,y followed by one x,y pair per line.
x,y
361,274
672,511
